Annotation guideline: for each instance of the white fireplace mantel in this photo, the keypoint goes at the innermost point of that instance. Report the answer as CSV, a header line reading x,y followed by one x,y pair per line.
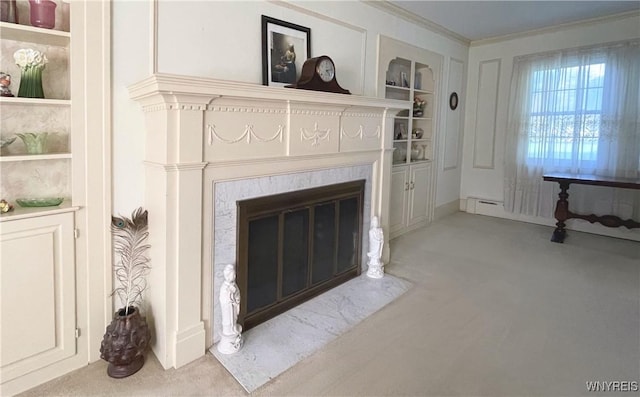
x,y
200,131
186,86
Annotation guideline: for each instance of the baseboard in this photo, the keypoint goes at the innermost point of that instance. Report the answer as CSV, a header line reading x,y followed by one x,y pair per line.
x,y
190,345
438,213
446,209
41,375
407,230
490,207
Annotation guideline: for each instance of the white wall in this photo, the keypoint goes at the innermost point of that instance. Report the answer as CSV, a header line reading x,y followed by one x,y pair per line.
x,y
489,75
222,39
131,40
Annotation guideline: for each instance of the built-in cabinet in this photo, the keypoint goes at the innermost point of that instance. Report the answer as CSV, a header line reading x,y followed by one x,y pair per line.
x,y
411,74
410,197
38,302
43,250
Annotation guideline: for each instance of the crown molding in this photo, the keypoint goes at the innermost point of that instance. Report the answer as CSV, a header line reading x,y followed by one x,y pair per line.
x,y
556,28
400,12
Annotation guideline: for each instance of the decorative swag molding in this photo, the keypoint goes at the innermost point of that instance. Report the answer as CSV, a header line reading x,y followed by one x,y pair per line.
x,y
280,120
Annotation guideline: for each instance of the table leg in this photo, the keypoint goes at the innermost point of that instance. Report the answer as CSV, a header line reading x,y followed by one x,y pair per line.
x,y
561,214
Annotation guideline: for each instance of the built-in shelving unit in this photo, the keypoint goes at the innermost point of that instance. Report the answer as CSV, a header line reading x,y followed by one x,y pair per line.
x,y
413,130
411,74
49,173
56,259
38,243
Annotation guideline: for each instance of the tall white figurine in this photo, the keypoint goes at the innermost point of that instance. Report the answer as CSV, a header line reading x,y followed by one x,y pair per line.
x,y
231,339
376,242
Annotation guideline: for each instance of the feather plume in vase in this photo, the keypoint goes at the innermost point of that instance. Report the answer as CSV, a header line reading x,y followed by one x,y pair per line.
x,y
132,266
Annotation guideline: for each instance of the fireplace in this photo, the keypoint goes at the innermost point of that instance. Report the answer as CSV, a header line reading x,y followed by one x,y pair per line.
x,y
211,143
294,246
228,193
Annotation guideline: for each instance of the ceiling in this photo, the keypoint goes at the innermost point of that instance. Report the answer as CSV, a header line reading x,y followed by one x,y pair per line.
x,y
477,20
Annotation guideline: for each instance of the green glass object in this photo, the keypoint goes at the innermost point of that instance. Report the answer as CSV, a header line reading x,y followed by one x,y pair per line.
x,y
39,202
36,143
6,141
31,82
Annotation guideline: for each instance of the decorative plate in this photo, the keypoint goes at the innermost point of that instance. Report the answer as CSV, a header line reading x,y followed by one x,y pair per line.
x,y
40,202
453,100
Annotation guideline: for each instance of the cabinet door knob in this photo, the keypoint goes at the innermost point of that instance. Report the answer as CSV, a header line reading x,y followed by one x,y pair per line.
x,y
406,186
411,186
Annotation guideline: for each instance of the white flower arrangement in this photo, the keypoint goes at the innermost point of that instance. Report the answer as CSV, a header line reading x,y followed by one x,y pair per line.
x,y
28,58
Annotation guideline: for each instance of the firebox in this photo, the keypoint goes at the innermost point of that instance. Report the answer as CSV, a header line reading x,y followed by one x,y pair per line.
x,y
294,246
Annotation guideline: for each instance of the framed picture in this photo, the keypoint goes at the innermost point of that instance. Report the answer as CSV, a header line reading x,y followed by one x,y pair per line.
x,y
285,47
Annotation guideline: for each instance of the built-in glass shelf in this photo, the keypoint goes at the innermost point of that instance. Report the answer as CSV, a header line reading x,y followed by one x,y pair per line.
x,y
397,87
404,163
34,101
32,157
422,92
14,31
32,212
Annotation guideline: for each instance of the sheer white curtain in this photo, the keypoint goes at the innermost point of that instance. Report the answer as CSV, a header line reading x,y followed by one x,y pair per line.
x,y
574,111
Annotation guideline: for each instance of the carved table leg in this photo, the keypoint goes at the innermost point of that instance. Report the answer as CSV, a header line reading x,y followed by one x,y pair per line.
x,y
561,214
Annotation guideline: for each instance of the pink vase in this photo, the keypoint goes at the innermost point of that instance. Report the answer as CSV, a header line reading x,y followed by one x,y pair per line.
x,y
43,13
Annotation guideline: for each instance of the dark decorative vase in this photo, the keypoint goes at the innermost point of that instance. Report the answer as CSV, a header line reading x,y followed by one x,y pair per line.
x,y
124,343
8,11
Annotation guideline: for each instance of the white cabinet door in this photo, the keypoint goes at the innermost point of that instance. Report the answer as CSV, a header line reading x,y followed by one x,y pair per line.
x,y
37,294
410,203
420,180
398,210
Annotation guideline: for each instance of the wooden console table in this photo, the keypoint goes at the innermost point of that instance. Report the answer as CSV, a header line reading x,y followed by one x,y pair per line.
x,y
562,212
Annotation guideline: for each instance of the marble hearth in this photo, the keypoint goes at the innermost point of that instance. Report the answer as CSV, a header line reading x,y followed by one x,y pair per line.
x,y
210,143
277,344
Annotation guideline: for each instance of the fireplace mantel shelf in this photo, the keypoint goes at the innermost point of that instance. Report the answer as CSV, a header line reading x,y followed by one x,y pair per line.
x,y
200,90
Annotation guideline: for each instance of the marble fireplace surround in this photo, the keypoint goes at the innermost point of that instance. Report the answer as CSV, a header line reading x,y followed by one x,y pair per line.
x,y
209,142
227,193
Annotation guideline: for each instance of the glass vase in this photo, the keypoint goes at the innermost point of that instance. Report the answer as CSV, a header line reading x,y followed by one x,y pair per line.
x,y
35,143
43,13
31,82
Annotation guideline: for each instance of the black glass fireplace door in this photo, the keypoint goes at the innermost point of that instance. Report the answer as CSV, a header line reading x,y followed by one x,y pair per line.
x,y
292,247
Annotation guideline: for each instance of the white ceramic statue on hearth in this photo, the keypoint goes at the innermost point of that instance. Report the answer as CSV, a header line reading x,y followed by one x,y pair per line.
x,y
231,338
376,242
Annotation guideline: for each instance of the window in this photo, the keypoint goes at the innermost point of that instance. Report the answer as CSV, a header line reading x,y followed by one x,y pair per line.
x,y
572,111
566,112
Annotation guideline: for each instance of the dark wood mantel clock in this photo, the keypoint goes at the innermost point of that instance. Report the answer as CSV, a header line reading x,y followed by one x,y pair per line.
x,y
319,74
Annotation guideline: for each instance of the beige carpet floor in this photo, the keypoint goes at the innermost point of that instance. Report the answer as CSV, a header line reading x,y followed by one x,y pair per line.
x,y
496,310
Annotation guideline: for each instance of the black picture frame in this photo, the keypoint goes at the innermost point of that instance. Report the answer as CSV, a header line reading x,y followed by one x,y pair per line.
x,y
453,101
278,67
